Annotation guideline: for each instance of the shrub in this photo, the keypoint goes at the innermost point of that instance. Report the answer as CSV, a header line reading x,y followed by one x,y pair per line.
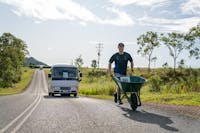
x,y
155,83
97,73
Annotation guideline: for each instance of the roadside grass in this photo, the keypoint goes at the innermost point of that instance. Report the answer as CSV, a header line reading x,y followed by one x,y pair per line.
x,y
190,99
20,86
96,86
46,71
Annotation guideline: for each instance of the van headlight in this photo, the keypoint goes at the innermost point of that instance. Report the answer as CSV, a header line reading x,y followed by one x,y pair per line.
x,y
56,88
73,88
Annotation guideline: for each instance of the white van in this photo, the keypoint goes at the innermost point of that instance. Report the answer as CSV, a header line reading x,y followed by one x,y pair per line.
x,y
64,80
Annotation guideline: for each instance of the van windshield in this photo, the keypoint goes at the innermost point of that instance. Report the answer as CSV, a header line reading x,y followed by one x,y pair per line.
x,y
63,73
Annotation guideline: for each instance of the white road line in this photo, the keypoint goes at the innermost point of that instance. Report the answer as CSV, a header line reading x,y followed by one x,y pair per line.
x,y
27,116
19,116
33,106
31,111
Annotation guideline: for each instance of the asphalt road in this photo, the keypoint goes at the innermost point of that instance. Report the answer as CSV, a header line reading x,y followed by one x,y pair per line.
x,y
35,112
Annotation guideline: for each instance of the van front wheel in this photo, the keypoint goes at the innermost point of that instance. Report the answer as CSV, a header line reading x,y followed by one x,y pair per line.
x,y
51,94
75,94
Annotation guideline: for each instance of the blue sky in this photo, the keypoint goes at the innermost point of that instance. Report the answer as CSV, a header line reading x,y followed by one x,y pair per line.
x,y
58,31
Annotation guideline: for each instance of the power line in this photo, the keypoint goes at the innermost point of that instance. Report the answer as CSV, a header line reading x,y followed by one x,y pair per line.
x,y
99,49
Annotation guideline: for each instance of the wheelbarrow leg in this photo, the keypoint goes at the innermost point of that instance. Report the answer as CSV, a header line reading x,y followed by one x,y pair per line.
x,y
138,99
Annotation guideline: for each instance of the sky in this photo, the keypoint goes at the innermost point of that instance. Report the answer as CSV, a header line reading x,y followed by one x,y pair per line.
x,y
58,31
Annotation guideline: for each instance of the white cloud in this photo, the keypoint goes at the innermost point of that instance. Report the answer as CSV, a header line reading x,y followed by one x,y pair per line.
x,y
43,10
138,2
83,24
191,7
49,49
123,18
167,25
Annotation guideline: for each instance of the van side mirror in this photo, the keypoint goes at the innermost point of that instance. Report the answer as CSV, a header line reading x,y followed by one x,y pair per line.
x,y
49,75
81,75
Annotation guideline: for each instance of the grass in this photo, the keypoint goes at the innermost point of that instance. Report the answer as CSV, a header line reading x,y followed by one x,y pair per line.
x,y
20,86
96,86
190,99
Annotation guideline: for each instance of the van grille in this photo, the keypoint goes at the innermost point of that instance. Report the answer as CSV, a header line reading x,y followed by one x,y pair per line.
x,y
65,88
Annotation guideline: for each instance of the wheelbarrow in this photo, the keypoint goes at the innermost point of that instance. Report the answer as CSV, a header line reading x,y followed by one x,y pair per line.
x,y
130,87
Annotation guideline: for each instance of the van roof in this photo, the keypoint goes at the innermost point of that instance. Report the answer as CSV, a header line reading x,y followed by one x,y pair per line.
x,y
64,65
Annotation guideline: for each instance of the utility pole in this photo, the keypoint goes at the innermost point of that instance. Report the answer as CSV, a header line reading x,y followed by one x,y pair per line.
x,y
99,49
72,62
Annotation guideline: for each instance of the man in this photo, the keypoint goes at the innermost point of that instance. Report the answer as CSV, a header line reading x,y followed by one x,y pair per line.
x,y
121,59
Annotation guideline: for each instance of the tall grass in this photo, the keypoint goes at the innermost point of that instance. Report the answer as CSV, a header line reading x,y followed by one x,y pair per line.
x,y
99,85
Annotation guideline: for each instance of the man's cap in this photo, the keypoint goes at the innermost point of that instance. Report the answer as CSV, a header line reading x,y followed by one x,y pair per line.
x,y
121,44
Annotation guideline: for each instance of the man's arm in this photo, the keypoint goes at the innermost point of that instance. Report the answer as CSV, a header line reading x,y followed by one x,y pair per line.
x,y
109,68
132,64
110,64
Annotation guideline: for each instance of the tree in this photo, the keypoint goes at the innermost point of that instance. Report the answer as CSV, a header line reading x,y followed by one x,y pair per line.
x,y
12,57
79,61
194,37
181,63
147,43
94,64
165,65
176,44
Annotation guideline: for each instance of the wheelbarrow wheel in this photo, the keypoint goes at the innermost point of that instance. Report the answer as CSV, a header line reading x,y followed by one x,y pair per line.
x,y
134,101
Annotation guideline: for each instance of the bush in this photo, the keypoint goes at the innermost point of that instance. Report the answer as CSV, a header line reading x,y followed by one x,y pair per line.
x,y
97,73
155,83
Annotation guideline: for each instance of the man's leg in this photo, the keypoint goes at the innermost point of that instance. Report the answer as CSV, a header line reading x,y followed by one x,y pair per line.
x,y
115,96
119,96
118,91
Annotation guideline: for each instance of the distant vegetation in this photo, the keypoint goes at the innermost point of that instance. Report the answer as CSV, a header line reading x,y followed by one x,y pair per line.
x,y
79,61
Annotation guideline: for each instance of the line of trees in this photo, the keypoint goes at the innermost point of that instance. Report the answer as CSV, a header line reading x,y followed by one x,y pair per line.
x,y
12,57
175,42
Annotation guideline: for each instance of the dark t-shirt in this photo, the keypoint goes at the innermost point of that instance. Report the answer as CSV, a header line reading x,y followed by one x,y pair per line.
x,y
121,61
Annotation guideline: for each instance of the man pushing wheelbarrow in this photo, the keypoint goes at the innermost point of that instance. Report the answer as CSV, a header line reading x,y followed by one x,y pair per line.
x,y
129,85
